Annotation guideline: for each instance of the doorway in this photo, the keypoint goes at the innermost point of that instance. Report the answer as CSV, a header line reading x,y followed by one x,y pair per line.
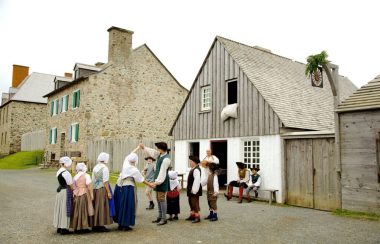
x,y
219,149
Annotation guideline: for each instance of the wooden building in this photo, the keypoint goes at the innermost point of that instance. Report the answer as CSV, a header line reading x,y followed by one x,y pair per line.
x,y
359,126
242,100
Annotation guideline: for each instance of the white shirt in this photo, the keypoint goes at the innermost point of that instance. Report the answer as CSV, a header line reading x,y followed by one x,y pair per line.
x,y
164,166
106,172
212,159
66,175
197,181
215,181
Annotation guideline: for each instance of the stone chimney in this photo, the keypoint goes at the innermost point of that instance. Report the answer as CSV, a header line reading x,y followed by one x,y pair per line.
x,y
68,75
19,74
119,46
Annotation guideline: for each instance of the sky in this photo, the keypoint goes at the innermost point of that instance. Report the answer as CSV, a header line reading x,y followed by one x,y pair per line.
x,y
50,36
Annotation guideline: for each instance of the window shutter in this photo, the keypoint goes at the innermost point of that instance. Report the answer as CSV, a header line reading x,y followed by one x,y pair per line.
x,y
55,135
50,136
70,137
74,98
78,98
51,108
61,107
67,102
76,132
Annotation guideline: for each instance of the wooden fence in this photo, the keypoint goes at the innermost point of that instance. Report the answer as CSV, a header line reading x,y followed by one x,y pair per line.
x,y
118,150
35,140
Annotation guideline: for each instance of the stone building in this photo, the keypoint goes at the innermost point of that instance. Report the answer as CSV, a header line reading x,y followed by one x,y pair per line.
x,y
132,96
23,108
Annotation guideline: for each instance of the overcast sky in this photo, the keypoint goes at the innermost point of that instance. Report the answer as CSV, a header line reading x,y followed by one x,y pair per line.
x,y
50,36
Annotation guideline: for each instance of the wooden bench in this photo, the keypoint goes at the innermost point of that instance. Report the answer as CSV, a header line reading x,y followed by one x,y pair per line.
x,y
272,194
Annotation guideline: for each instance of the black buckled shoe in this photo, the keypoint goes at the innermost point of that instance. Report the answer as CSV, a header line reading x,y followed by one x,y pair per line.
x,y
157,220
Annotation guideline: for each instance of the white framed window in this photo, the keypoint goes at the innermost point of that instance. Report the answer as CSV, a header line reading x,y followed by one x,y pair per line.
x,y
251,153
76,99
64,103
74,132
206,98
55,107
53,135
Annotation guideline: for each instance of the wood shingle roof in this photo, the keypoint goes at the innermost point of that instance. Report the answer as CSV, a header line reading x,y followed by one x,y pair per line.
x,y
283,84
365,98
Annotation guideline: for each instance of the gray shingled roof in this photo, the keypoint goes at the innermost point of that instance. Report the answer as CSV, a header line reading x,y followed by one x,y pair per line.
x,y
34,87
283,84
367,97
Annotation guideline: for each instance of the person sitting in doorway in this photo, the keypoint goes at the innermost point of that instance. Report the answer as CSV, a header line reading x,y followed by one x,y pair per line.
x,y
241,182
254,184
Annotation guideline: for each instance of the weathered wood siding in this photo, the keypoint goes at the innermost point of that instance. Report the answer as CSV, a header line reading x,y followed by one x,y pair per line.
x,y
255,116
360,132
35,140
312,176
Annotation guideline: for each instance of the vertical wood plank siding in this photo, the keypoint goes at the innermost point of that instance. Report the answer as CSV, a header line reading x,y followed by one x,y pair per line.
x,y
255,115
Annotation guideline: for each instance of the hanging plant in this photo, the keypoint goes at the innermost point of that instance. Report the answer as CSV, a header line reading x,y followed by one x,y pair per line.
x,y
314,62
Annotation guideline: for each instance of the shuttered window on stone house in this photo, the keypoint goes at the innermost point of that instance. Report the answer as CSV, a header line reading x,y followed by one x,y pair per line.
x,y
64,104
53,136
51,110
55,105
76,99
74,132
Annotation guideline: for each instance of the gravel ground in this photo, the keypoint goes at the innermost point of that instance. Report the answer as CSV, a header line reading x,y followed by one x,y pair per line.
x,y
27,202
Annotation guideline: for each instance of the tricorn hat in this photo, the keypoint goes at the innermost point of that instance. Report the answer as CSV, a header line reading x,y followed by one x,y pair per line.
x,y
240,165
195,159
161,145
149,158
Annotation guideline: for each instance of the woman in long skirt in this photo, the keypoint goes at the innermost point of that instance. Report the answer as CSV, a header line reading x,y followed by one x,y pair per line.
x,y
172,196
83,196
102,194
64,197
125,192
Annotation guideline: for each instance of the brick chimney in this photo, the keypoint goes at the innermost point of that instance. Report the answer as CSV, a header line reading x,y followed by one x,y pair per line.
x,y
19,74
119,46
68,75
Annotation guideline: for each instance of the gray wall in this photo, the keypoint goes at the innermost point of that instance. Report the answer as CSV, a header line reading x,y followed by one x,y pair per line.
x,y
255,116
359,133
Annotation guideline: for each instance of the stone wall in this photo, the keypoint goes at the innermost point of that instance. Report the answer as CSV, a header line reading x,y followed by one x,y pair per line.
x,y
20,118
138,100
5,129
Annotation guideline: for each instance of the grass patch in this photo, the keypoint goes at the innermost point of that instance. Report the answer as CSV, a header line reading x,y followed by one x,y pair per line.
x,y
21,160
356,215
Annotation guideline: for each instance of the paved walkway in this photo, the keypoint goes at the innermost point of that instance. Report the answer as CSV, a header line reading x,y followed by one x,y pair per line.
x,y
27,202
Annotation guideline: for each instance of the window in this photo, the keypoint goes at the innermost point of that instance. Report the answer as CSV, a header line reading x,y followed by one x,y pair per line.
x,y
193,149
206,98
53,136
64,103
232,92
54,107
76,99
74,132
5,138
252,153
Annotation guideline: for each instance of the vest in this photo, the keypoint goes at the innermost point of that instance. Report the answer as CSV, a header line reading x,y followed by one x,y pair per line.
x,y
242,173
98,183
149,175
190,182
62,181
255,178
164,187
210,183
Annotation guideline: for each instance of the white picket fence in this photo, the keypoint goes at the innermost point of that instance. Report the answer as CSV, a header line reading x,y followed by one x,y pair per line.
x,y
35,140
118,150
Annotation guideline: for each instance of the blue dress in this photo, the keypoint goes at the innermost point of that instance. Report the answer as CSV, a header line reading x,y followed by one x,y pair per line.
x,y
125,205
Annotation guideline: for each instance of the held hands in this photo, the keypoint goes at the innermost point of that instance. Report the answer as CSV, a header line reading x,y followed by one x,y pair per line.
x,y
215,194
141,146
109,195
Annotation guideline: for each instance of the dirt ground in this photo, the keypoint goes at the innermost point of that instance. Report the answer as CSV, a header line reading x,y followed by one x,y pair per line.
x,y
27,203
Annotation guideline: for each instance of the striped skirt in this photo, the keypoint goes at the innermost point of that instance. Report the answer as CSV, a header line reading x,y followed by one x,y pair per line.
x,y
60,211
125,205
101,208
81,218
